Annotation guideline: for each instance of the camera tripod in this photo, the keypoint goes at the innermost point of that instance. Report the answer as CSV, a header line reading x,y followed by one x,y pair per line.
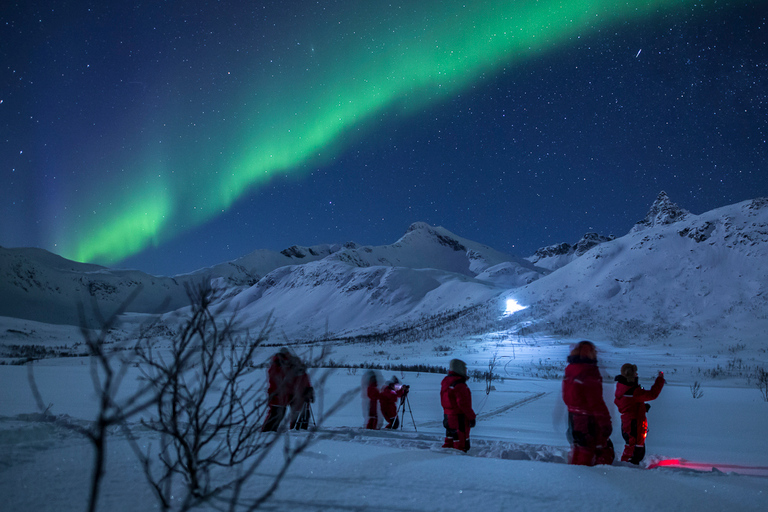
x,y
404,402
304,418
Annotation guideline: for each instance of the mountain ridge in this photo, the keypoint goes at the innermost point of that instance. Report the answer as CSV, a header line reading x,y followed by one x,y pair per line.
x,y
695,275
674,273
41,286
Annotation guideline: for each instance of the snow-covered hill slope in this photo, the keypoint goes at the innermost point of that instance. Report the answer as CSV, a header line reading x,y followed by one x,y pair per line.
x,y
248,269
425,246
429,272
702,275
663,211
339,299
555,256
673,274
37,285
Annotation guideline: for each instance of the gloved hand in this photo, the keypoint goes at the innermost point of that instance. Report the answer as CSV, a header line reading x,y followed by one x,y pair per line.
x,y
647,407
472,423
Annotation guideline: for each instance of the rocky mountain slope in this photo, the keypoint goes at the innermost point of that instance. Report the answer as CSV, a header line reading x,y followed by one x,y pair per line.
x,y
674,273
37,285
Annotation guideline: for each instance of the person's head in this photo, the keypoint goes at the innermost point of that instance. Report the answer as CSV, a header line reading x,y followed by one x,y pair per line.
x,y
282,357
458,366
629,372
394,381
583,351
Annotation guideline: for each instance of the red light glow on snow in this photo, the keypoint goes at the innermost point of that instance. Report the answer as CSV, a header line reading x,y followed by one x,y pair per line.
x,y
701,466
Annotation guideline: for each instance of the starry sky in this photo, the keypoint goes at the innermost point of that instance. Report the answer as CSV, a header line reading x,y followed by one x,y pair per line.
x,y
169,136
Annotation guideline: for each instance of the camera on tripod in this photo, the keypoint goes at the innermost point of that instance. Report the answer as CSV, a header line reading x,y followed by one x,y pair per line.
x,y
404,387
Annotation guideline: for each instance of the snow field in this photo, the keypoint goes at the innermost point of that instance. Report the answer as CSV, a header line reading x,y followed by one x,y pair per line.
x,y
516,462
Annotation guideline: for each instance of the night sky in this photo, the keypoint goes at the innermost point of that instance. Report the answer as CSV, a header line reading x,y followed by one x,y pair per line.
x,y
170,136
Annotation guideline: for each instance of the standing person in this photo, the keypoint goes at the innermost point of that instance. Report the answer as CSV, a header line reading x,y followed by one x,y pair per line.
x,y
371,400
388,396
303,395
281,375
630,398
589,422
456,399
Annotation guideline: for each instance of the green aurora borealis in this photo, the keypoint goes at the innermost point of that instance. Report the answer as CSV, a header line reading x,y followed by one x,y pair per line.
x,y
297,106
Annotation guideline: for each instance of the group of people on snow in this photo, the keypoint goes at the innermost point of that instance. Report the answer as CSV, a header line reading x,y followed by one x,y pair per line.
x,y
589,420
455,397
385,399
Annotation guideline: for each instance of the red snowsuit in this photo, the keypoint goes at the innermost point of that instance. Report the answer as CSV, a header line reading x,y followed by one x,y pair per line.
x,y
456,399
589,422
630,398
281,375
388,401
372,393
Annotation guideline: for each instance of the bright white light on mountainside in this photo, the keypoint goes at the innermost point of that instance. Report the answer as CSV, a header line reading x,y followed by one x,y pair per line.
x,y
513,307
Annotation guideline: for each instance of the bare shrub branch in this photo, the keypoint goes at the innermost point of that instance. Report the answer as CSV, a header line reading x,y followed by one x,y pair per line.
x,y
210,410
107,374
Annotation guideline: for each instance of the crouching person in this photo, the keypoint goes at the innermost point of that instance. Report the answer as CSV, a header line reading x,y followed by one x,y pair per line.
x,y
631,400
456,399
388,396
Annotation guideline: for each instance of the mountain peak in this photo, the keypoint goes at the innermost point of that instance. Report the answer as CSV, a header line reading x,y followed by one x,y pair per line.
x,y
416,226
442,235
663,211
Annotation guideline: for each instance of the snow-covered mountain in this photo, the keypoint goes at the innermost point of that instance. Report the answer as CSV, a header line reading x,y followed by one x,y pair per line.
x,y
674,273
359,290
555,256
37,285
663,211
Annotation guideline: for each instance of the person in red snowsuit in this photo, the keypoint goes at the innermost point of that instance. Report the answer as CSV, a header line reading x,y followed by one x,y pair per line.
x,y
589,422
456,399
631,400
371,401
303,394
281,375
388,396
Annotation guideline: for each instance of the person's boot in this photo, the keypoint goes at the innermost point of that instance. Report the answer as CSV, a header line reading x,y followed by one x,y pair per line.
x,y
629,450
638,455
448,442
581,456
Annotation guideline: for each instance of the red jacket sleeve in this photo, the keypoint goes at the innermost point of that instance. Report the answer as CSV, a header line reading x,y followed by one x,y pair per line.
x,y
646,395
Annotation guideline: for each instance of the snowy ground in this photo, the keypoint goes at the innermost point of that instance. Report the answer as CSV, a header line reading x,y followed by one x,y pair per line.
x,y
517,459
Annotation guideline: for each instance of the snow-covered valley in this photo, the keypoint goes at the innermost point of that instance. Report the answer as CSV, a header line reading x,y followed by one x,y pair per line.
x,y
682,293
